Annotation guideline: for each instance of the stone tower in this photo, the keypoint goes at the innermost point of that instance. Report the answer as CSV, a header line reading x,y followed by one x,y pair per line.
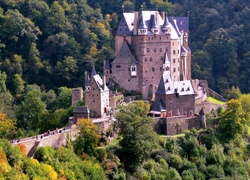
x,y
77,95
96,94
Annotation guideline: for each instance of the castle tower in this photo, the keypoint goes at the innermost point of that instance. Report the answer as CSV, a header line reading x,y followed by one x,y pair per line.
x,y
96,94
77,95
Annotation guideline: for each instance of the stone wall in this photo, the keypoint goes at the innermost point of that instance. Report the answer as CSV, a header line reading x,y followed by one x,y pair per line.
x,y
176,124
55,139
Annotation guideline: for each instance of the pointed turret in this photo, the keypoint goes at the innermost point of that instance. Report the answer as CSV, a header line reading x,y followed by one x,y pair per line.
x,y
166,28
93,72
87,82
166,64
142,27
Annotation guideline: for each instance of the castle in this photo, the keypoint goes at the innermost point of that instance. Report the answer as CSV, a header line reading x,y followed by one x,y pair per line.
x,y
143,42
152,57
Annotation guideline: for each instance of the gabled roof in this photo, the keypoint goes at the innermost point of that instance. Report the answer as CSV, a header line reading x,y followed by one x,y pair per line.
x,y
99,82
125,26
81,109
182,23
167,86
125,55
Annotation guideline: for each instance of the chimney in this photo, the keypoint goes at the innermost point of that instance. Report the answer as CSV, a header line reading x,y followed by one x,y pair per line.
x,y
157,20
135,22
163,16
104,81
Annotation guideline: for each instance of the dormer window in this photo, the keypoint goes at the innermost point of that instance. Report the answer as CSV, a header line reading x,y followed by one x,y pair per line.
x,y
133,70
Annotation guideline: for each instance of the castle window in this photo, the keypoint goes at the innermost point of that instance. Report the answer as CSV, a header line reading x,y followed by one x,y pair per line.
x,y
161,58
173,60
148,38
153,69
160,49
146,59
151,59
178,51
93,100
133,68
148,50
173,51
118,66
160,38
174,70
154,49
160,68
128,80
128,69
166,49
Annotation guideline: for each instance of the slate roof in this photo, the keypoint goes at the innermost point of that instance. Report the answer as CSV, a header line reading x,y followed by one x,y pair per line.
x,y
183,49
93,72
125,55
159,106
107,64
87,79
167,86
99,82
177,24
81,109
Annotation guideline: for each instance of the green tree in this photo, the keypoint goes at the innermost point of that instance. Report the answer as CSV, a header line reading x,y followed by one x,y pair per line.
x,y
87,140
245,102
3,78
138,137
7,126
34,63
64,97
30,110
232,121
233,93
18,84
66,71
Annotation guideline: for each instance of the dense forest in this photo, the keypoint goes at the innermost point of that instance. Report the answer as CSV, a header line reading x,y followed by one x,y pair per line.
x,y
45,47
219,152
